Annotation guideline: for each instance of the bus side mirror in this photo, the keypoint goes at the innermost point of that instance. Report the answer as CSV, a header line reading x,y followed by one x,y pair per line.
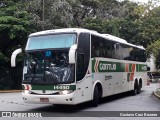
x,y
72,55
148,68
13,57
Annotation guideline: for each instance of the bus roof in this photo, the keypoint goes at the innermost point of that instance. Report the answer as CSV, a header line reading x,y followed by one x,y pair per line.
x,y
79,30
63,30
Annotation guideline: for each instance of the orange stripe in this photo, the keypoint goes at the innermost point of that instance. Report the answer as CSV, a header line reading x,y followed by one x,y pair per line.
x,y
97,65
133,67
131,76
127,67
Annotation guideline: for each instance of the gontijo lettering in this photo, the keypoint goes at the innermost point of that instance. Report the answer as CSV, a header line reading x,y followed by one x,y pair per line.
x,y
107,66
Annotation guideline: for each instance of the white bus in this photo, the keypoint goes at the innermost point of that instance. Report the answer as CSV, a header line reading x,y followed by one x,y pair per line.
x,y
74,65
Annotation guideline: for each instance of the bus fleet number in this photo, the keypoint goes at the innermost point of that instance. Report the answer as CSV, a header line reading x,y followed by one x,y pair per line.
x,y
61,87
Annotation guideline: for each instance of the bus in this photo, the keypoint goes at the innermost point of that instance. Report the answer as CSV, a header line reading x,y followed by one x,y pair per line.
x,y
76,65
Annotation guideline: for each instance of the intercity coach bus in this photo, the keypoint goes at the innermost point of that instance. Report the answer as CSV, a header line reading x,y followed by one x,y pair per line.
x,y
75,65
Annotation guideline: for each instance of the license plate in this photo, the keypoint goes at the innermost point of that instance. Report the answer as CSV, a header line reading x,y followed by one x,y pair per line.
x,y
44,100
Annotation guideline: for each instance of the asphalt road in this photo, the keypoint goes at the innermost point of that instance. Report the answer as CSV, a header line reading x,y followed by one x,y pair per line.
x,y
144,101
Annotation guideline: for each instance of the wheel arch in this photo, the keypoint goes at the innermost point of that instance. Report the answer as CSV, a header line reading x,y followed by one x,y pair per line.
x,y
100,88
136,81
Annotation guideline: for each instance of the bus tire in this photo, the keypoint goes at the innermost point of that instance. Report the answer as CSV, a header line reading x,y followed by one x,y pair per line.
x,y
135,91
139,89
139,86
95,97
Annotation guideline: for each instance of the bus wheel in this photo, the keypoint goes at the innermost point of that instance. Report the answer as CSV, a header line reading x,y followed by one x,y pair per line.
x,y
135,91
95,97
139,89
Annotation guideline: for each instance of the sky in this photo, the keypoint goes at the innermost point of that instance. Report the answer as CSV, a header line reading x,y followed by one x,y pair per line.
x,y
143,1
157,3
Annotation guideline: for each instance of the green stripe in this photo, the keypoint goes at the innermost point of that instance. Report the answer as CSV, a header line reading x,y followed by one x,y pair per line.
x,y
142,68
107,66
130,67
137,67
110,67
53,87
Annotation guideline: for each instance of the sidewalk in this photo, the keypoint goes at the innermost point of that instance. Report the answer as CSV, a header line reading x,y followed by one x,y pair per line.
x,y
9,91
157,91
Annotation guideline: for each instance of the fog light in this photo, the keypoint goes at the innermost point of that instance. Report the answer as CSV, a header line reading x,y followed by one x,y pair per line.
x,y
70,99
24,98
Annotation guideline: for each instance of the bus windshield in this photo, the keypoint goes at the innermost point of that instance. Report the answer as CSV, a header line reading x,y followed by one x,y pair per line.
x,y
51,41
47,66
46,59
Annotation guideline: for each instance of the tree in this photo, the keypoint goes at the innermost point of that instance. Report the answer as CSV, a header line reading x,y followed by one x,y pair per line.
x,y
15,26
54,14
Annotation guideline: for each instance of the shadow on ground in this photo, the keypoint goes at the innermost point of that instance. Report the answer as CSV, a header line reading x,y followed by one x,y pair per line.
x,y
79,107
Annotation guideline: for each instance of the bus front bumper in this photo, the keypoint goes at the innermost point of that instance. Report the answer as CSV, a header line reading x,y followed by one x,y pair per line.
x,y
67,99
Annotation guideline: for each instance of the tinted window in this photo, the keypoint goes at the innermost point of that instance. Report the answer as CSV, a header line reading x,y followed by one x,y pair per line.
x,y
83,55
104,48
80,66
101,47
133,54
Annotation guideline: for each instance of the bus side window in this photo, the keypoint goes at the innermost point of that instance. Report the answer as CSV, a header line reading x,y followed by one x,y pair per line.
x,y
117,51
100,49
109,49
126,50
80,67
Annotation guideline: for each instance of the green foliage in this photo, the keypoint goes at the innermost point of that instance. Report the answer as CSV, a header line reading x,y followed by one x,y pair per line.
x,y
15,26
93,24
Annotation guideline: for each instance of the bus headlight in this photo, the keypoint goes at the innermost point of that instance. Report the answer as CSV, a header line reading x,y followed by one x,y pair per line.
x,y
65,92
26,91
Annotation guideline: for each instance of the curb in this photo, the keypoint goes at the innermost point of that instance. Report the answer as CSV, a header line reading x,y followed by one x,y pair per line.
x,y
156,95
10,91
